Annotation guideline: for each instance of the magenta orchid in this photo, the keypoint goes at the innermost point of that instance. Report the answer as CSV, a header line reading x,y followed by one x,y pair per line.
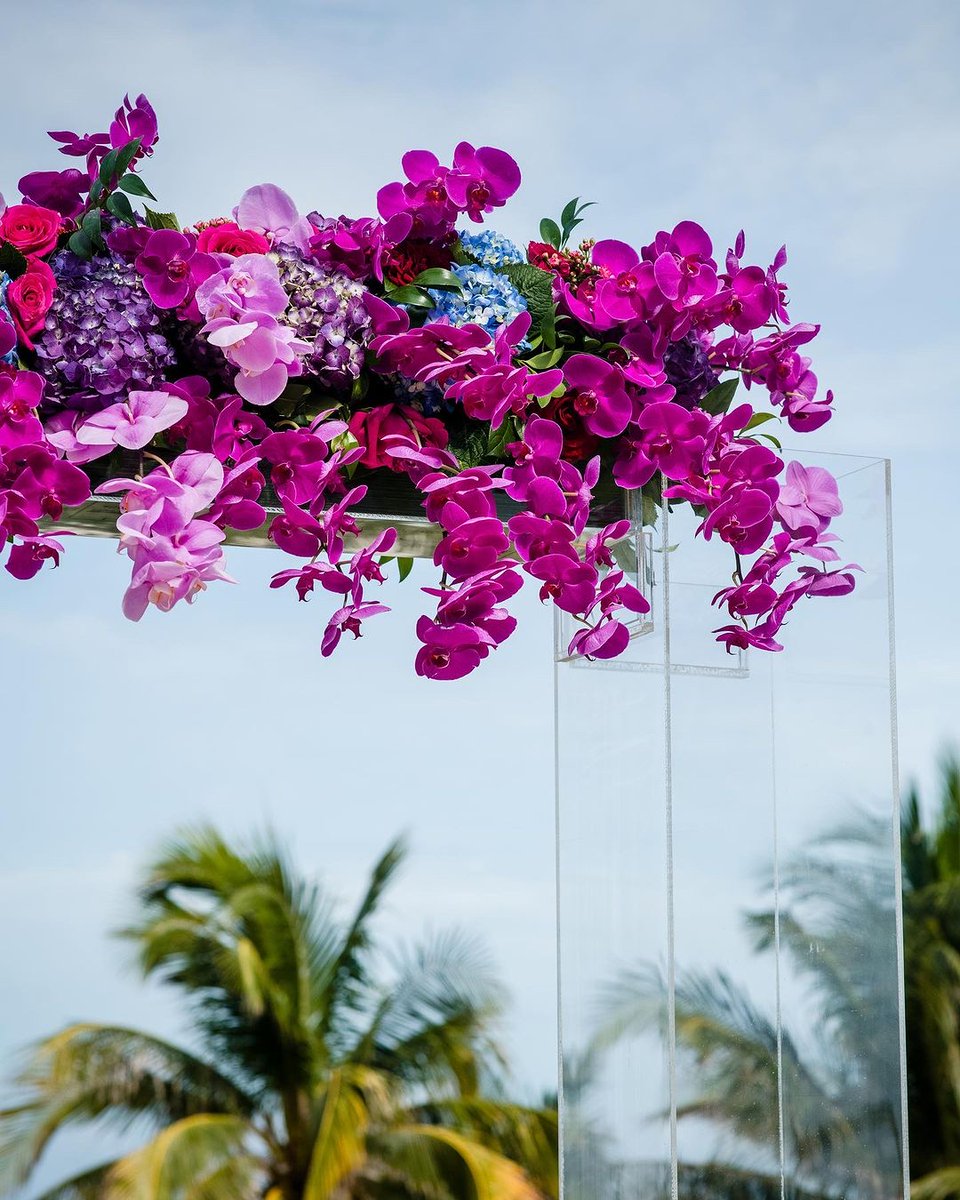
x,y
261,374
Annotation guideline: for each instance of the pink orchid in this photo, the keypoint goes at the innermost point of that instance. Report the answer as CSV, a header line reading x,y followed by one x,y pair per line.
x,y
135,422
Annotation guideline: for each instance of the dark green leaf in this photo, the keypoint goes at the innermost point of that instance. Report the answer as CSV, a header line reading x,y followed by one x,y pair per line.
x,y
80,244
133,185
718,399
159,220
536,287
498,439
12,262
126,155
91,226
404,567
438,277
768,437
461,255
119,205
550,233
108,167
416,297
96,189
569,211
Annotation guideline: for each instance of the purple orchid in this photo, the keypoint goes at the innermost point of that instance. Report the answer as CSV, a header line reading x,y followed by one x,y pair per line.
x,y
20,396
808,498
167,266
134,423
27,558
569,583
268,209
474,545
598,393
249,283
450,651
683,265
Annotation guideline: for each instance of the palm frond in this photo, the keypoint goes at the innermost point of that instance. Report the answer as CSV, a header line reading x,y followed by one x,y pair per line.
x,y
939,1185
339,1142
527,1136
91,1072
438,1162
207,1155
88,1185
344,977
433,1023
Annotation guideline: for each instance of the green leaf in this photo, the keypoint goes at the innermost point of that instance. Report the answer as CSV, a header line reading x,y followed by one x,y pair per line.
x,y
462,256
550,233
96,189
80,244
544,361
404,567
12,262
497,439
718,399
569,211
159,220
768,437
438,277
557,392
126,155
119,205
414,296
759,419
108,167
91,226
536,287
133,185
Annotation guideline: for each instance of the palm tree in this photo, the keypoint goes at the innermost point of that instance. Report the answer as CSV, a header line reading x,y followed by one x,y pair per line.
x,y
314,1079
931,876
840,1075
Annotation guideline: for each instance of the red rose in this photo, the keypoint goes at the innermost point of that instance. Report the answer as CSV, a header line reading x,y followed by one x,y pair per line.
x,y
401,423
229,238
29,297
578,442
32,229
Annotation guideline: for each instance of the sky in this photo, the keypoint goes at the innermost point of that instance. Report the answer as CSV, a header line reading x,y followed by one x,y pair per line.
x,y
832,128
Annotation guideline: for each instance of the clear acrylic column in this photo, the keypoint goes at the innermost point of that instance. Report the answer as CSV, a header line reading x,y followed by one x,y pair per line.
x,y
729,891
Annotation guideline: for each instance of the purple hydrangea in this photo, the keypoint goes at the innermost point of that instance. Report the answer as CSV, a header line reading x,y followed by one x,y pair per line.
x,y
688,369
327,310
103,335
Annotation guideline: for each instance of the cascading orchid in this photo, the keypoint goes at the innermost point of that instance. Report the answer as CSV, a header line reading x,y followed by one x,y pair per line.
x,y
274,359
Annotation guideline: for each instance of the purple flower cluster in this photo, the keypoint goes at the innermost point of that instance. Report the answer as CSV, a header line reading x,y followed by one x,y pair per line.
x,y
103,335
215,348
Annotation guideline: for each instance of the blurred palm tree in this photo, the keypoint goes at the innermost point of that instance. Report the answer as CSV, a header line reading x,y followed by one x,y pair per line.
x,y
314,1079
836,1073
931,883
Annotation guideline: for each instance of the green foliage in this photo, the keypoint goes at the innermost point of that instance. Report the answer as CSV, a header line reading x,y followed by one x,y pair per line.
x,y
159,220
438,277
12,262
315,1078
536,287
719,399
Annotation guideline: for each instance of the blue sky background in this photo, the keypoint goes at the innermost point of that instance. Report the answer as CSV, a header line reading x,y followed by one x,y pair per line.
x,y
831,127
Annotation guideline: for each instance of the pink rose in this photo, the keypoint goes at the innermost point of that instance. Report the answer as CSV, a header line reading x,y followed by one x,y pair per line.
x,y
30,228
29,297
402,425
229,238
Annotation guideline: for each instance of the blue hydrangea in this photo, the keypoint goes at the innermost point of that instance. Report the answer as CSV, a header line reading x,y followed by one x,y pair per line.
x,y
488,299
491,249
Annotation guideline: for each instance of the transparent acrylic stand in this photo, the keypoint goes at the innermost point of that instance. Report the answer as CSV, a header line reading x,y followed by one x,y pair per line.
x,y
729,892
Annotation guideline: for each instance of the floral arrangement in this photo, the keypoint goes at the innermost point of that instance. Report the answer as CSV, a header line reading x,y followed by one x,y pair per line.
x,y
301,355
